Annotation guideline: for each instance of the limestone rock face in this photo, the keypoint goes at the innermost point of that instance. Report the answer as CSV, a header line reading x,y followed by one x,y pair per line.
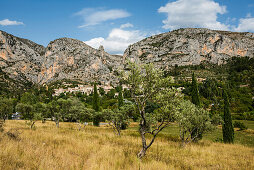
x,y
191,46
64,58
20,58
67,58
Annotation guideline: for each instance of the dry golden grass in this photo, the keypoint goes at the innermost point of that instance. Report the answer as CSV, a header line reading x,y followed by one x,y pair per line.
x,y
98,148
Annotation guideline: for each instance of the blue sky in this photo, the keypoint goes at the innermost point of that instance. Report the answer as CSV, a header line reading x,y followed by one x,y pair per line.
x,y
117,23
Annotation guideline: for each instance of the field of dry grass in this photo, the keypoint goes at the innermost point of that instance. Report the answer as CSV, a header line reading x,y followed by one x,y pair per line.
x,y
47,147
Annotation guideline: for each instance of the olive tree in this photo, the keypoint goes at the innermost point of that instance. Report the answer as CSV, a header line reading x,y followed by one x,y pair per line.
x,y
118,118
191,118
79,112
6,108
147,83
41,109
54,111
28,112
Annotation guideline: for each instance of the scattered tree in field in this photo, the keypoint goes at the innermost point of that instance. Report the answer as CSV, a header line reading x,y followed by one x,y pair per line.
x,y
6,108
79,113
118,118
64,108
148,84
115,119
191,118
53,110
41,109
227,128
85,115
96,105
28,112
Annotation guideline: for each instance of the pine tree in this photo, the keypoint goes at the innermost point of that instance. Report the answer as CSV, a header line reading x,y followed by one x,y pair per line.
x,y
120,98
194,92
96,105
227,128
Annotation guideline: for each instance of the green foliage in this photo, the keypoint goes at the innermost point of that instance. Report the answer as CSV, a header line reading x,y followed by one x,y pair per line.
x,y
117,118
28,112
244,116
41,109
97,118
148,84
111,94
120,98
240,125
195,92
96,105
54,111
72,110
209,89
64,106
78,112
195,100
191,118
102,91
126,93
216,119
227,128
28,98
6,108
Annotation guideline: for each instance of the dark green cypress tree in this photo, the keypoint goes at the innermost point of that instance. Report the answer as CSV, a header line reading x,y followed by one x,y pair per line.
x,y
227,127
194,91
196,101
120,98
96,105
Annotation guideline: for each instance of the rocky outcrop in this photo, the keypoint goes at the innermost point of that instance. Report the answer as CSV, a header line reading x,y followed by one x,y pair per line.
x,y
191,46
67,58
20,58
64,58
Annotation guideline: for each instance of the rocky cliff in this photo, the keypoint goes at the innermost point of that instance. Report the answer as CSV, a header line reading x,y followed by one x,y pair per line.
x,y
191,46
66,58
20,58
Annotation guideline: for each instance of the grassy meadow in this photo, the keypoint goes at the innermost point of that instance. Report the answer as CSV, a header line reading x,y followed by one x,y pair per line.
x,y
48,147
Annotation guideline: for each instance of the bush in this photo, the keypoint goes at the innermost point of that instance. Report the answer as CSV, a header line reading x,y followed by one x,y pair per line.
x,y
240,125
244,116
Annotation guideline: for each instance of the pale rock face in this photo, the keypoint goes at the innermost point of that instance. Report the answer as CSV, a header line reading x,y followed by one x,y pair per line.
x,y
191,46
64,58
67,58
20,58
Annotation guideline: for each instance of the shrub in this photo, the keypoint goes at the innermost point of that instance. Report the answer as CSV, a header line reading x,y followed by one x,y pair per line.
x,y
240,125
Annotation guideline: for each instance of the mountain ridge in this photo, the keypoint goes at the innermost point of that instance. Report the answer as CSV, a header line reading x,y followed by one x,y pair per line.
x,y
68,58
191,46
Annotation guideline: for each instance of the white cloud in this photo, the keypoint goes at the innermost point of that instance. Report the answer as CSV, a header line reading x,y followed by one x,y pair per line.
x,y
127,25
117,41
6,22
193,13
245,24
94,16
